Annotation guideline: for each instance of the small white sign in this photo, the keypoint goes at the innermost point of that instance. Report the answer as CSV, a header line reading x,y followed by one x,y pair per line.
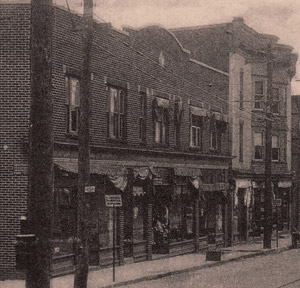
x,y
277,202
113,200
89,189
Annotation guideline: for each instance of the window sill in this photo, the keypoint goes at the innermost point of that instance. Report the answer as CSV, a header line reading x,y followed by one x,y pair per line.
x,y
72,135
116,141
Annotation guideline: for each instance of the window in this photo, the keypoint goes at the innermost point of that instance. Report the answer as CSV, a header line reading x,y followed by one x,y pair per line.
x,y
275,148
215,136
161,121
116,121
196,131
241,151
241,89
73,100
177,121
258,146
259,96
143,115
276,101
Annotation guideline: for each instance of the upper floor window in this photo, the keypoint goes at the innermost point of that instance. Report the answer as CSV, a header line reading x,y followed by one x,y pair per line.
x,y
276,101
73,101
241,151
241,89
258,146
196,120
161,121
143,116
259,96
178,111
116,117
275,148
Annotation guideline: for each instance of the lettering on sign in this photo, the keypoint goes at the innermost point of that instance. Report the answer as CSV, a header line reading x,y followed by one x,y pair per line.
x,y
89,189
113,200
276,202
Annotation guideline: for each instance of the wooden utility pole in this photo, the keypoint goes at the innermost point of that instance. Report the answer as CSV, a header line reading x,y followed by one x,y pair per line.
x,y
82,265
268,156
40,199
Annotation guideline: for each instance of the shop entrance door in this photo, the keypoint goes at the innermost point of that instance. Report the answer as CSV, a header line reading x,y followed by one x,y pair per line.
x,y
242,215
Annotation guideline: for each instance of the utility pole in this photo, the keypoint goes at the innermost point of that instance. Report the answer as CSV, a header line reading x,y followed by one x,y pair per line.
x,y
40,195
268,155
82,265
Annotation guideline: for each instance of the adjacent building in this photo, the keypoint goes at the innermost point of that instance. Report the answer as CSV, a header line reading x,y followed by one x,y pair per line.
x,y
242,52
159,138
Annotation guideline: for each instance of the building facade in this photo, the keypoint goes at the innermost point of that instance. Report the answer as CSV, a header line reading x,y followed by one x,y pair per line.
x,y
160,138
241,51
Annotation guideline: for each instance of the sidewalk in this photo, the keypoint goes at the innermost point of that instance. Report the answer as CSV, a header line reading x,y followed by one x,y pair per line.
x,y
149,270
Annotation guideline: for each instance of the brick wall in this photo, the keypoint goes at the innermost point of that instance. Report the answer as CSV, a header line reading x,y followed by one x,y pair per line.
x,y
14,119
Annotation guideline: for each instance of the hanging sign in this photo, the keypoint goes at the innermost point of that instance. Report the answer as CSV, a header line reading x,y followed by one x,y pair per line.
x,y
113,200
89,189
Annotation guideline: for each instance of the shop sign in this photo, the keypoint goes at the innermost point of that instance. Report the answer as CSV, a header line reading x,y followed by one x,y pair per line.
x,y
161,176
277,202
89,189
113,200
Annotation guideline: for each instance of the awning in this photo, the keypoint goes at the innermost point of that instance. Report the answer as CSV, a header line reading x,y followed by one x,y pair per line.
x,y
241,183
198,111
220,117
96,167
142,173
285,184
162,102
187,171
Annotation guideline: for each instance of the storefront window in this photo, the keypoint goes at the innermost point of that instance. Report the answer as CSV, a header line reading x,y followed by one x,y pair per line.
x,y
181,214
105,226
139,213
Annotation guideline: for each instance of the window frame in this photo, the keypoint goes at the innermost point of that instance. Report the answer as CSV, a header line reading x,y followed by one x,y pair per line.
x,y
198,129
242,89
241,142
259,146
117,115
143,117
73,104
276,148
262,97
276,101
161,127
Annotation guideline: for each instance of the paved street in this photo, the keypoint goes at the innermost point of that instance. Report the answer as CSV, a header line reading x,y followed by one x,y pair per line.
x,y
271,271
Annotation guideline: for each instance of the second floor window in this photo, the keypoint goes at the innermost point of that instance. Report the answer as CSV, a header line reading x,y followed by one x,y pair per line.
x,y
259,96
116,119
178,111
275,148
241,152
73,100
196,131
143,115
161,121
241,89
258,146
276,101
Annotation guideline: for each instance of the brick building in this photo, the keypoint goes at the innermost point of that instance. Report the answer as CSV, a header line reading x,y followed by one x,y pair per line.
x,y
159,137
241,51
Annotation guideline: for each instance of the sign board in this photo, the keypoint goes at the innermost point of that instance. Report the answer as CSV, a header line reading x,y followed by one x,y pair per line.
x,y
276,202
89,189
113,200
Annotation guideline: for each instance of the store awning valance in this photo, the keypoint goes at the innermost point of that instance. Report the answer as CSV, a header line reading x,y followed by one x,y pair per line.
x,y
220,117
242,183
214,187
285,184
187,171
96,167
198,111
162,102
142,173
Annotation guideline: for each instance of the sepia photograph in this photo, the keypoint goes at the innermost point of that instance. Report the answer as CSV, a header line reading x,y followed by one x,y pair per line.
x,y
149,143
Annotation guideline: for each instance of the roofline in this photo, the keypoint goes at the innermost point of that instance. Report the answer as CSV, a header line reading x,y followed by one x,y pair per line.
x,y
208,67
163,28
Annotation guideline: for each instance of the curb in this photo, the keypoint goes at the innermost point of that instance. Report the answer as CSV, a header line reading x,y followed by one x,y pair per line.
x,y
197,268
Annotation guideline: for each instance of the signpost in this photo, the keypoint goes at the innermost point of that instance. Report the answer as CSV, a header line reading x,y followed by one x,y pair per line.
x,y
276,203
113,201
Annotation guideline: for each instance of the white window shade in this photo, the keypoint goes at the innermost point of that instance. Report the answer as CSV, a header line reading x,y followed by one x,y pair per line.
x,y
161,102
198,111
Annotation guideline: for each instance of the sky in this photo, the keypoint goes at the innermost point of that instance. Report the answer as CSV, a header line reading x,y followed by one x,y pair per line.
x,y
277,17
